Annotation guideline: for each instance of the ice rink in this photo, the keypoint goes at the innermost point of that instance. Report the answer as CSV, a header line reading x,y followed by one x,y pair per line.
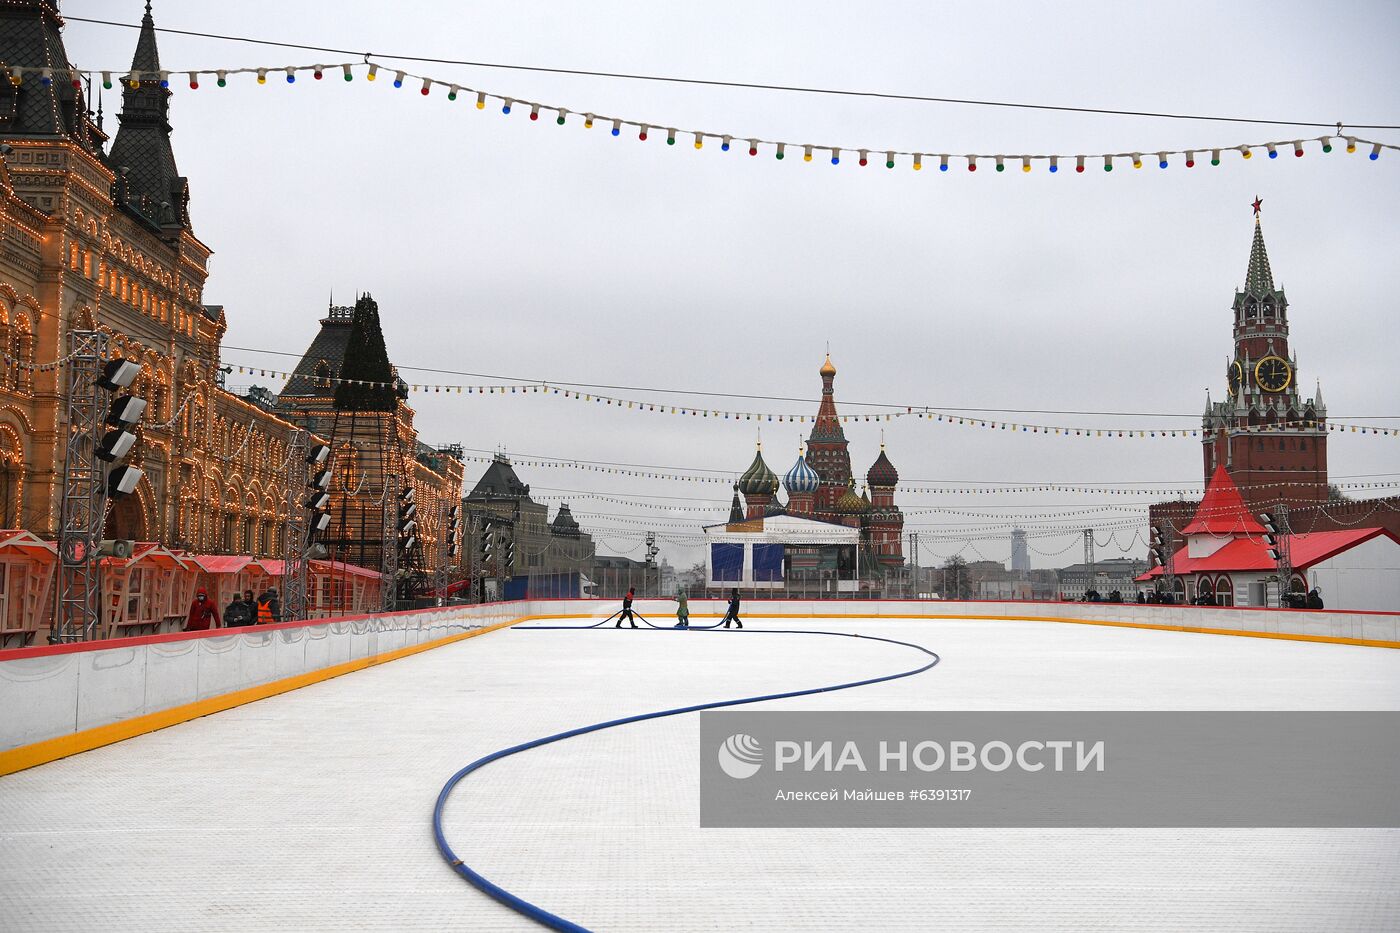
x,y
311,810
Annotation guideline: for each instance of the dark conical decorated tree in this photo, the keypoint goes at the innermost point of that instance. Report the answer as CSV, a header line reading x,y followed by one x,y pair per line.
x,y
367,380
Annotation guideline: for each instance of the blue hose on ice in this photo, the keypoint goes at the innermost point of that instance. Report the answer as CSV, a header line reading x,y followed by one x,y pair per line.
x,y
539,914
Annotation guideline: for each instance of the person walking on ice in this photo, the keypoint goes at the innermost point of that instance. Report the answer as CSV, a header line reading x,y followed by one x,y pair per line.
x,y
626,614
732,615
682,610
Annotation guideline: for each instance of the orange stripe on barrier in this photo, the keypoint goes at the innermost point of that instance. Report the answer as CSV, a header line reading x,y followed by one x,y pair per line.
x,y
28,756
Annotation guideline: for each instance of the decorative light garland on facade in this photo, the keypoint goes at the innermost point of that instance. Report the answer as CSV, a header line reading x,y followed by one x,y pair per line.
x,y
754,145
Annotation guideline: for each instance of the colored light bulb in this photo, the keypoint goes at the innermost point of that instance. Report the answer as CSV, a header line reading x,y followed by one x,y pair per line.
x,y
806,153
1025,164
427,84
836,157
452,92
165,79
972,163
1298,150
318,73
398,79
1054,163
505,105
1375,152
588,121
943,163
1161,160
194,81
699,141
480,100
560,119
262,75
670,137
107,80
373,73
643,134
535,112
1244,151
222,79
1108,163
349,75
291,78
617,127
1215,157
778,153
1001,167
1327,144
889,163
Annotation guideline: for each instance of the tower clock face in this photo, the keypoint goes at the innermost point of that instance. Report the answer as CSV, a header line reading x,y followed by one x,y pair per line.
x,y
1235,375
1273,374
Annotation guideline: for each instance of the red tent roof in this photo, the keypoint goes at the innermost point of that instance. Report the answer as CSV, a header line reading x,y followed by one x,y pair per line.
x,y
1251,554
27,541
223,563
1222,511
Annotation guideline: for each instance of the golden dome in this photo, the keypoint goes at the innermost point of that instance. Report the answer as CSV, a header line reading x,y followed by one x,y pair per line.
x,y
828,369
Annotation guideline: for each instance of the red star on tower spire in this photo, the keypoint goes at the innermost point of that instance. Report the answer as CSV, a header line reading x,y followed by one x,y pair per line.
x,y
1258,201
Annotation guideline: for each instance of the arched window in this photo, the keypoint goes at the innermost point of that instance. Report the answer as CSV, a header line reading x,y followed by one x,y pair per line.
x,y
322,378
20,347
1224,592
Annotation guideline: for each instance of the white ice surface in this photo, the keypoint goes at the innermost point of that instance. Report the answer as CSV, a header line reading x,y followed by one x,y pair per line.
x,y
310,810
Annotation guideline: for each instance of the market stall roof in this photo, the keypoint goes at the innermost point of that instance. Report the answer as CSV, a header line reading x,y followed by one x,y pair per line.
x,y
1251,554
31,544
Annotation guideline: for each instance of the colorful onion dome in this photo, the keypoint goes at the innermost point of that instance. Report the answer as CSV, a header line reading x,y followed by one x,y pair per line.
x,y
850,503
758,480
801,479
882,472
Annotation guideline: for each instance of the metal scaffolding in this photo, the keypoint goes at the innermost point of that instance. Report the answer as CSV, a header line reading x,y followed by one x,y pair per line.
x,y
296,537
83,506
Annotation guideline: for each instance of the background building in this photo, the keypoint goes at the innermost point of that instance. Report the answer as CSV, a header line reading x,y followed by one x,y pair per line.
x,y
102,238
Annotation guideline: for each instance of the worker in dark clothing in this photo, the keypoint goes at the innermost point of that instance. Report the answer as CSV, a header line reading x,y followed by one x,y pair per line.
x,y
626,614
240,612
1314,600
732,614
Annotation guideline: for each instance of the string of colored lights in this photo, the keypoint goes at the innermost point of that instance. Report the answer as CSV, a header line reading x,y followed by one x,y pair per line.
x,y
710,82
919,413
521,381
753,144
681,475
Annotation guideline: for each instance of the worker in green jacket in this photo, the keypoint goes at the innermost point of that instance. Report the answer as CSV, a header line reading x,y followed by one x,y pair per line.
x,y
682,610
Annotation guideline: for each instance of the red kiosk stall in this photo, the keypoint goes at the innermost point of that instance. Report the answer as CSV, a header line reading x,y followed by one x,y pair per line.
x,y
147,593
27,565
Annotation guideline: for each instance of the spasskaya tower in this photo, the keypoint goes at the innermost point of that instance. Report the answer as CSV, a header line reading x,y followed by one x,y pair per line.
x,y
1272,441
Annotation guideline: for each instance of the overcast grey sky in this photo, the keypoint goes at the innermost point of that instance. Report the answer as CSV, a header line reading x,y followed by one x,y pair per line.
x,y
497,244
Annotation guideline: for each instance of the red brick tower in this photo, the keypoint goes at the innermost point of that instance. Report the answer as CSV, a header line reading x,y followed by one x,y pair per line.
x,y
1270,439
884,522
827,451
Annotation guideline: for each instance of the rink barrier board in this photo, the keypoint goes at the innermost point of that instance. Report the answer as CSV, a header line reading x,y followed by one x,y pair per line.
x,y
84,736
81,736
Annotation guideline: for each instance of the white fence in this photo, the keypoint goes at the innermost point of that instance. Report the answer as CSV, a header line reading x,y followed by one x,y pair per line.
x,y
48,693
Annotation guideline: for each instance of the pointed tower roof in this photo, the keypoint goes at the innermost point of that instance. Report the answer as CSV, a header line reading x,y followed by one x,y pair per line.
x,y
147,57
736,508
148,183
1222,511
1259,280
368,381
499,481
564,524
828,424
31,38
